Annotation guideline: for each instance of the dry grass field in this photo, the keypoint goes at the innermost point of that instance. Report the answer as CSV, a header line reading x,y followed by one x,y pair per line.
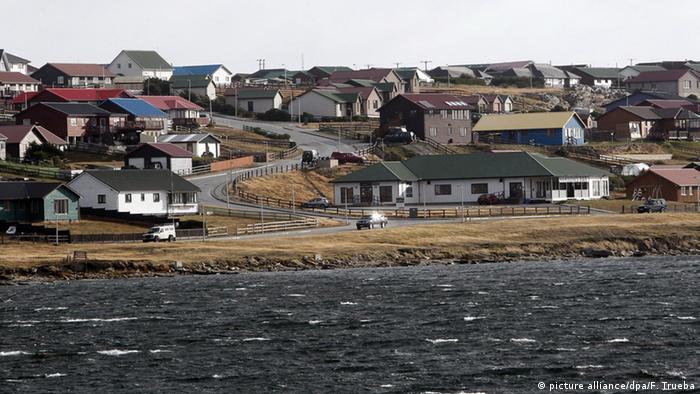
x,y
304,184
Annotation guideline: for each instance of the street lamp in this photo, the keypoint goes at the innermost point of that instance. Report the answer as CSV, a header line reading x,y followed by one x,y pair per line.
x,y
189,90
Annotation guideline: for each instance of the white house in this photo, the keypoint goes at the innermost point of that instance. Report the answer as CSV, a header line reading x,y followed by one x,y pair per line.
x,y
12,63
200,145
326,103
13,83
146,64
160,155
144,192
191,85
451,179
18,138
218,73
258,101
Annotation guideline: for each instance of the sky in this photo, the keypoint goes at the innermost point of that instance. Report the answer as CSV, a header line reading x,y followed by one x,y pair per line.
x,y
355,33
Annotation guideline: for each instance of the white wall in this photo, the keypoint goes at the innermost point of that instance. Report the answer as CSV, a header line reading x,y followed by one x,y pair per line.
x,y
147,206
24,144
123,59
3,152
224,77
203,147
316,105
181,165
88,188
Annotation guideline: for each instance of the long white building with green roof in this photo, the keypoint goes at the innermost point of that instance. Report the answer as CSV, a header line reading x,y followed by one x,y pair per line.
x,y
450,179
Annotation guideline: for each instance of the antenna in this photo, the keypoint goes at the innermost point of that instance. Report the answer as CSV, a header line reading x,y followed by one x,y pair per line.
x,y
631,60
368,65
425,64
397,64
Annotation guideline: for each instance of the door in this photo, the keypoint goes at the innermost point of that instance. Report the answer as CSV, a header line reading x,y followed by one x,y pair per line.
x,y
570,190
540,191
366,194
515,190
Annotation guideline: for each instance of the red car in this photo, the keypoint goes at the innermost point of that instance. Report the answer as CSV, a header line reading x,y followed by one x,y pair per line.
x,y
487,199
347,158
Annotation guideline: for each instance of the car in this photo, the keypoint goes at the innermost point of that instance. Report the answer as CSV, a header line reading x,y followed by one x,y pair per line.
x,y
487,199
653,205
370,221
399,135
344,158
164,232
318,202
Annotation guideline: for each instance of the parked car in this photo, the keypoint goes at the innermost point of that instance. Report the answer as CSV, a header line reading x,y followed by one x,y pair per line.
x,y
399,135
344,158
318,202
309,158
370,221
653,205
487,199
164,232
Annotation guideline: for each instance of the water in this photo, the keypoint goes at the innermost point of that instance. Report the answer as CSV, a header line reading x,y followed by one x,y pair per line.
x,y
448,329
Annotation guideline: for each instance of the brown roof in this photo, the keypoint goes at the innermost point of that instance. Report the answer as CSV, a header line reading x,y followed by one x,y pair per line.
x,y
169,149
363,92
16,133
679,176
82,69
436,100
373,74
15,77
661,76
667,103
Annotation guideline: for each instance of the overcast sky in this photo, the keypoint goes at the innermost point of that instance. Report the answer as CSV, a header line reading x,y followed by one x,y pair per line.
x,y
356,32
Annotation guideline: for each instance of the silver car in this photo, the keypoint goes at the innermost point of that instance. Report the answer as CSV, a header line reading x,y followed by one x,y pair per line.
x,y
371,221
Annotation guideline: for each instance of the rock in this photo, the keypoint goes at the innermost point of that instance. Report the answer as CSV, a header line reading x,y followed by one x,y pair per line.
x,y
596,253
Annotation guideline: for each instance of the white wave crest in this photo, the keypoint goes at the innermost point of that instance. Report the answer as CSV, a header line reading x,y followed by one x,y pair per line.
x,y
54,375
111,319
348,303
472,318
685,318
617,340
522,340
313,322
48,308
12,353
589,366
160,351
117,352
441,340
255,339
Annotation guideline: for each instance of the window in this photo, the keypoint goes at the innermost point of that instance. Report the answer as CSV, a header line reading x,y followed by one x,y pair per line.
x,y
128,65
444,113
385,194
156,197
216,79
59,79
346,195
443,190
433,131
408,192
684,190
101,199
687,84
375,104
143,196
60,207
127,198
463,131
596,188
480,188
119,65
449,131
73,121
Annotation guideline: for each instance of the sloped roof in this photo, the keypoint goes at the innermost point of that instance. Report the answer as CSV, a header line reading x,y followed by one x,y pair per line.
x,y
78,94
167,148
599,72
641,95
26,190
434,101
646,113
185,81
16,77
252,93
383,171
81,69
373,74
503,66
15,59
205,69
364,92
136,107
643,68
24,97
271,73
75,108
335,95
679,176
660,103
149,60
16,133
660,76
167,103
180,138
142,180
526,121
547,71
453,71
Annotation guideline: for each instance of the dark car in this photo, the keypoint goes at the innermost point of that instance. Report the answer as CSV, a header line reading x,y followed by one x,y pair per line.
x,y
318,202
399,135
653,205
371,221
487,199
344,158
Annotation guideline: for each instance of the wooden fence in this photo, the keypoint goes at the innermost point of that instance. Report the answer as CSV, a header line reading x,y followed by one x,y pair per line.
x,y
689,207
34,171
261,228
440,147
267,215
268,170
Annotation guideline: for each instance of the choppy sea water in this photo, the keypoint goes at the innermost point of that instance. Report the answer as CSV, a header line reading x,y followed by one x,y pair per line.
x,y
445,329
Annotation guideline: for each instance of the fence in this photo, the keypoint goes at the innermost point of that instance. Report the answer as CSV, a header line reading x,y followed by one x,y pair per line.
x,y
440,147
261,228
353,135
695,207
96,148
34,171
366,126
257,172
255,214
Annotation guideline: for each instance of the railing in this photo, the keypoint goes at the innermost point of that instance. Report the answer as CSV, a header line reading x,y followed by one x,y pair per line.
x,y
34,171
261,228
285,153
139,125
686,207
440,147
240,213
353,135
351,126
263,171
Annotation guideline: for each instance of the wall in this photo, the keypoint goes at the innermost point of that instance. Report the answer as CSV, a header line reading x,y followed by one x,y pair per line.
x,y
181,165
88,188
443,126
53,121
221,77
316,105
655,186
26,141
239,162
260,106
202,148
73,206
123,60
3,151
147,206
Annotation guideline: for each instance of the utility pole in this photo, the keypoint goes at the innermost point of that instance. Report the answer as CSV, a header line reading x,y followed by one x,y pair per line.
x,y
631,61
189,90
425,64
368,65
447,68
397,64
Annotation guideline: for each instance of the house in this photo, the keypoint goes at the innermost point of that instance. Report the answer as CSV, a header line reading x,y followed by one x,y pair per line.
x,y
139,119
606,77
632,71
444,118
496,104
75,95
18,138
12,63
3,147
145,64
189,85
639,96
324,72
14,83
410,79
647,122
216,72
546,128
181,112
554,77
272,76
200,145
682,82
160,155
72,122
478,103
376,75
30,201
327,103
445,72
257,100
370,99
500,68
387,90
452,179
423,76
146,192
71,75
672,184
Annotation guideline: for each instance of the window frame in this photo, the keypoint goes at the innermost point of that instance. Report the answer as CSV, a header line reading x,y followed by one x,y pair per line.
x,y
62,203
443,189
475,188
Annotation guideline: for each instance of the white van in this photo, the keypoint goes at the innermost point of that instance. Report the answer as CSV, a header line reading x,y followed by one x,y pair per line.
x,y
164,232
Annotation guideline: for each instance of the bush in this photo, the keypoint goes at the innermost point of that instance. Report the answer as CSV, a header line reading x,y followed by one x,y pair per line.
x,y
156,87
520,82
617,182
307,117
276,115
45,153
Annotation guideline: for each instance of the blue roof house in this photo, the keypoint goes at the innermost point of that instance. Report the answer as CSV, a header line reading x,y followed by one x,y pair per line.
x,y
138,119
218,73
543,128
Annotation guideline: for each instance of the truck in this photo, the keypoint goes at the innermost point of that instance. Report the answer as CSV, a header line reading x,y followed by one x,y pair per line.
x,y
309,158
163,232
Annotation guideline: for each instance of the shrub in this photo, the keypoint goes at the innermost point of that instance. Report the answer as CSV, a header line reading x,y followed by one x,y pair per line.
x,y
276,115
45,153
307,117
617,182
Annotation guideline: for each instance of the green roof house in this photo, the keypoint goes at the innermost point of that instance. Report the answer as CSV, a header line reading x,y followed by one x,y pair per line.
x,y
451,179
258,100
146,64
189,85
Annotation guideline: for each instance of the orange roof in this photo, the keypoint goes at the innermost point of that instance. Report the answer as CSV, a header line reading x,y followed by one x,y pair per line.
x,y
679,176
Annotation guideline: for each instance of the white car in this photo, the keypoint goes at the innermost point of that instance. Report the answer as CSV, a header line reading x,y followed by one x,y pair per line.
x,y
370,221
165,232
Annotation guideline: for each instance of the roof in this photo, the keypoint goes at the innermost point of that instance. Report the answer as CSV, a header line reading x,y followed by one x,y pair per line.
x,y
641,112
508,65
149,60
81,69
142,180
527,121
75,108
679,176
434,101
548,71
660,103
452,71
16,133
473,166
180,138
24,97
167,148
335,95
331,69
364,92
644,68
167,103
14,58
26,190
136,107
205,69
16,77
187,81
599,72
660,76
248,94
641,95
271,73
78,94
373,74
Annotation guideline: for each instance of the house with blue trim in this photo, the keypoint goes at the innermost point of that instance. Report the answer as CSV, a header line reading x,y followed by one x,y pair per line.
x,y
140,121
544,128
30,201
218,73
